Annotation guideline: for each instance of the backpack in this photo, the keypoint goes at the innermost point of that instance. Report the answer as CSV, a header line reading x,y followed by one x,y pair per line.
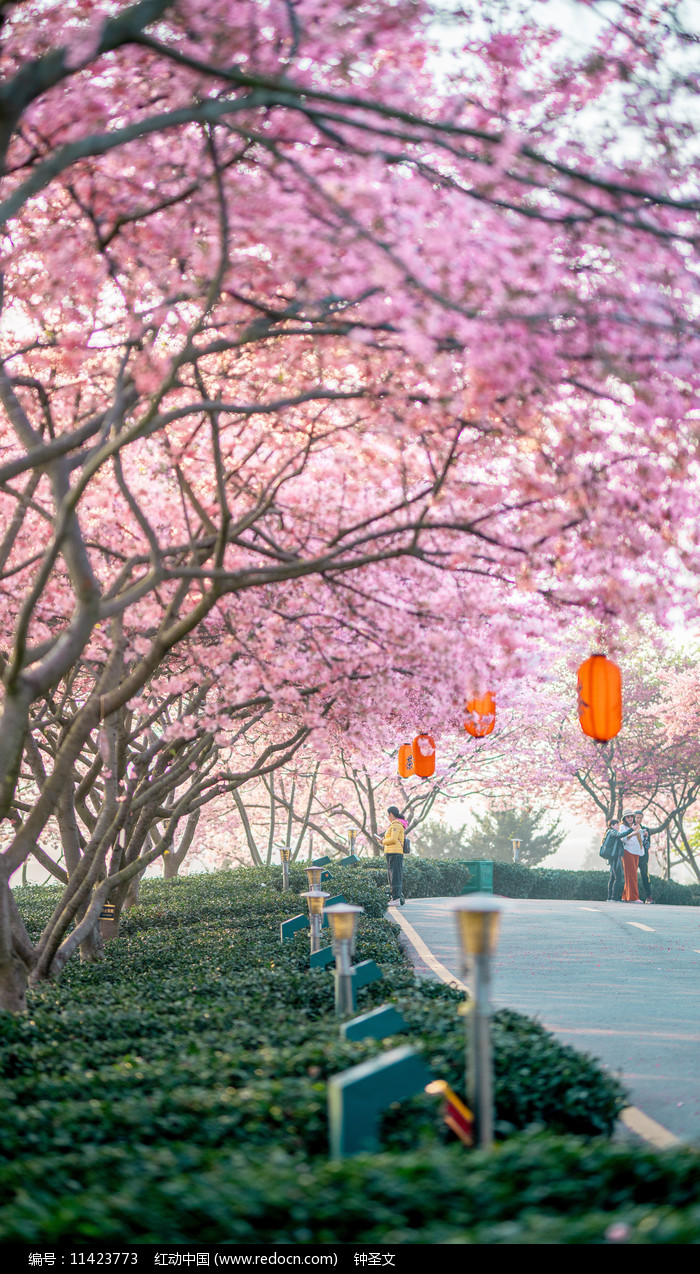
x,y
406,845
609,847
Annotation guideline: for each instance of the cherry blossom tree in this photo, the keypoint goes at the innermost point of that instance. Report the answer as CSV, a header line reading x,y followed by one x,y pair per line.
x,y
168,766
324,391
322,800
353,791
653,764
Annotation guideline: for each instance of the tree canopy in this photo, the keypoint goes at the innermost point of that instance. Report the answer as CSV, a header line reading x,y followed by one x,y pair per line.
x,y
335,378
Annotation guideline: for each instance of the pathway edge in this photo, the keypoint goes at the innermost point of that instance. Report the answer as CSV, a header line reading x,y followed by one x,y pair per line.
x,y
425,953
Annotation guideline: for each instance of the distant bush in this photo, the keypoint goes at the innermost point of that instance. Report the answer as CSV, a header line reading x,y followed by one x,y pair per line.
x,y
514,880
445,878
434,878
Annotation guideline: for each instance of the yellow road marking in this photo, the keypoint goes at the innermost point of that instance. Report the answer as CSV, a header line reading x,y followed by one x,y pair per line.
x,y
638,926
608,1030
656,1134
425,954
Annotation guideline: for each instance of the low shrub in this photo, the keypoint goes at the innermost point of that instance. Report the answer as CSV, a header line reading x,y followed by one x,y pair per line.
x,y
134,1078
531,1189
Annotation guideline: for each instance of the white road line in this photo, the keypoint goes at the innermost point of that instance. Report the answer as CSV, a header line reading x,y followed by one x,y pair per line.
x,y
638,926
631,1116
424,952
645,1127
596,909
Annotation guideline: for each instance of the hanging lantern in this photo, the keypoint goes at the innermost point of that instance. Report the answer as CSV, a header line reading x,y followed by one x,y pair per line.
x,y
481,716
423,755
406,769
600,698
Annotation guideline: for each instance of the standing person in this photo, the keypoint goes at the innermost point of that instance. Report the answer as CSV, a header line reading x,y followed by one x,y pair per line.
x,y
394,837
644,858
611,851
632,851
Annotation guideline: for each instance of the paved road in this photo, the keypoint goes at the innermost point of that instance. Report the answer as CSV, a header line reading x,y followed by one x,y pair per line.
x,y
619,981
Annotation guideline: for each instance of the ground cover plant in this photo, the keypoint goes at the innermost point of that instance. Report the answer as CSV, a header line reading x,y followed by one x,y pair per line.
x,y
177,1091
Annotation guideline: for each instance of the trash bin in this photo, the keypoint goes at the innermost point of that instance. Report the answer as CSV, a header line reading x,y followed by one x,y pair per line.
x,y
480,876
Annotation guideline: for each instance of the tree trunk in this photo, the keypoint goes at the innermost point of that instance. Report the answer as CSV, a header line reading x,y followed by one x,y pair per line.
x,y
174,858
92,948
13,986
132,896
109,930
171,866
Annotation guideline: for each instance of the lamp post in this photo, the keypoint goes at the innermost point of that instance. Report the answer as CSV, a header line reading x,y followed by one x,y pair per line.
x,y
343,918
315,899
313,875
516,850
285,854
478,918
352,837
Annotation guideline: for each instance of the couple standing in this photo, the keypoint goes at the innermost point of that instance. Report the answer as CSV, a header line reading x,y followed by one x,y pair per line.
x,y
626,849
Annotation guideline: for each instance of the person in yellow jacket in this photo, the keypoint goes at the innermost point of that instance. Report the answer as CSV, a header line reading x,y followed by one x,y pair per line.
x,y
394,837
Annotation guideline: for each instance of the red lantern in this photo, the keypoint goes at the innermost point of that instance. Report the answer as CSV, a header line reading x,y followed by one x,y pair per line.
x,y
481,716
600,698
406,761
424,755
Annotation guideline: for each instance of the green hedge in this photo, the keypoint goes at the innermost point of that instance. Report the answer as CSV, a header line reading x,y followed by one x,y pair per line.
x,y
531,1189
513,880
445,878
200,1035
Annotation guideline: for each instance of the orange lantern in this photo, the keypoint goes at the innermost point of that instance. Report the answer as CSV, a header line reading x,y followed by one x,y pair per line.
x,y
600,698
406,761
424,755
481,716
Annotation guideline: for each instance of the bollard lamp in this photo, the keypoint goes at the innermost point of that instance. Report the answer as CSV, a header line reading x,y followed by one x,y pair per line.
x,y
315,899
478,917
285,855
313,875
343,918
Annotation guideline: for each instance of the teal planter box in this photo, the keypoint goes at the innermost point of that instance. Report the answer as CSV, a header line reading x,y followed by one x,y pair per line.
x,y
366,972
289,927
481,877
376,1024
358,1097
